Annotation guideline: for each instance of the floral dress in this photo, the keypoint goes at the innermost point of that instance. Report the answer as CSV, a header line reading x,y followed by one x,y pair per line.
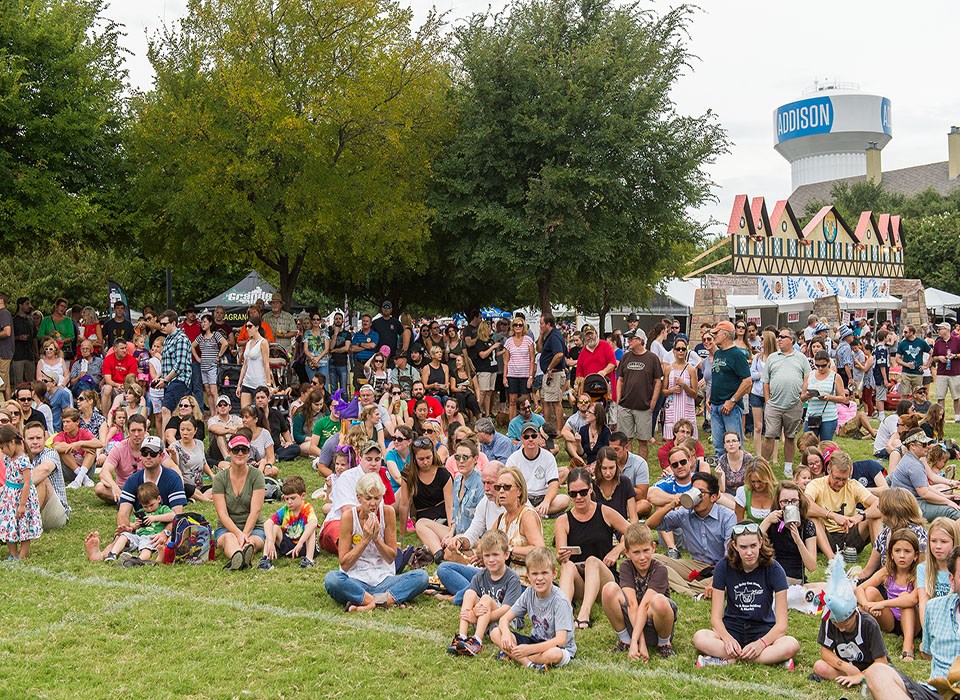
x,y
680,405
28,527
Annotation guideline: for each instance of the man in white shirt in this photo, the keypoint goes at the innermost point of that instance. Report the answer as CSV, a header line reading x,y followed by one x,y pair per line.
x,y
539,469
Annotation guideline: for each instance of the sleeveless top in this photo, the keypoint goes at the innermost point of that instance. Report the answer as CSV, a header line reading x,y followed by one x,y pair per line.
x,y
594,537
622,493
519,365
435,376
370,568
893,590
253,357
429,502
515,538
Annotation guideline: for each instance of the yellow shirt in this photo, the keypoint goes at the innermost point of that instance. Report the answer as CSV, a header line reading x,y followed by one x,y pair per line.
x,y
843,501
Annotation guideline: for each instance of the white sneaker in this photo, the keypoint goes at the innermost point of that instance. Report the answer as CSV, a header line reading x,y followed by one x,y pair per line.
x,y
788,472
956,419
75,484
87,481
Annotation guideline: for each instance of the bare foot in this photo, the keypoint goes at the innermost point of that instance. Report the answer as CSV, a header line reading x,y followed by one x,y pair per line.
x,y
362,608
92,545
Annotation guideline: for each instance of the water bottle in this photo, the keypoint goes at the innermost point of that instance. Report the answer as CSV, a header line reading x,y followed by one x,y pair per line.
x,y
949,356
226,380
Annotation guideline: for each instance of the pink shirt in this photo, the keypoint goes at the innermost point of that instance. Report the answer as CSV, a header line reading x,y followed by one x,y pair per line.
x,y
451,464
125,461
519,365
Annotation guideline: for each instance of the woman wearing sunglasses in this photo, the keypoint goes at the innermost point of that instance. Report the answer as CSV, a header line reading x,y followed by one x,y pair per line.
x,y
316,350
518,361
238,493
822,390
590,527
255,371
187,407
519,522
467,488
376,371
748,613
426,495
680,392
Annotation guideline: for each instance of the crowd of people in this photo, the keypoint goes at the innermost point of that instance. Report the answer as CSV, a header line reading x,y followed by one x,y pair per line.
x,y
451,435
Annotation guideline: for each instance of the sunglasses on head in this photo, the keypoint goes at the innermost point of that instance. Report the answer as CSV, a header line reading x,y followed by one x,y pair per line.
x,y
749,528
502,487
423,442
579,493
239,450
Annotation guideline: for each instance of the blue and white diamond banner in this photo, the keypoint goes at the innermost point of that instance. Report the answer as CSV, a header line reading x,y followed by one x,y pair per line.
x,y
787,288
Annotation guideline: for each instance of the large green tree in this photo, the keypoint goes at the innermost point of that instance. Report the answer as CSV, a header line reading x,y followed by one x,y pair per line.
x,y
296,134
61,118
570,156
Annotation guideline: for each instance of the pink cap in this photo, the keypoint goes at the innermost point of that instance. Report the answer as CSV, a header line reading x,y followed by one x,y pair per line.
x,y
238,441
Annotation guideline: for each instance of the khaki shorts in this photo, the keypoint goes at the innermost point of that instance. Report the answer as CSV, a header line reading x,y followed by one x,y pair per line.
x,y
909,382
635,424
943,383
53,515
5,373
552,389
782,420
487,381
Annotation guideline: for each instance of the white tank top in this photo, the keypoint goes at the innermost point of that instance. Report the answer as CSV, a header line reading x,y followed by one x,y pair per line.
x,y
370,568
253,357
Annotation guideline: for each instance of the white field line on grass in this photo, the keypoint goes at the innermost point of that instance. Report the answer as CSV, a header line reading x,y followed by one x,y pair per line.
x,y
378,625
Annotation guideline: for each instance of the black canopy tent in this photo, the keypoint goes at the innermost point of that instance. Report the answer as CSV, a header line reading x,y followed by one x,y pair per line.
x,y
242,295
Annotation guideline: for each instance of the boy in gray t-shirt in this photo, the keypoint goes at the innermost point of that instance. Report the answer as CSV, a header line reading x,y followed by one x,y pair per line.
x,y
551,641
489,596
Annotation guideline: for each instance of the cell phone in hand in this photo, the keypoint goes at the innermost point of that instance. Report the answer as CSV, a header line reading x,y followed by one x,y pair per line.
x,y
813,392
572,550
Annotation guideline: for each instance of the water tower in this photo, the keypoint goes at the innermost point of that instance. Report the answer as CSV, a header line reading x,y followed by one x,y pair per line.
x,y
826,134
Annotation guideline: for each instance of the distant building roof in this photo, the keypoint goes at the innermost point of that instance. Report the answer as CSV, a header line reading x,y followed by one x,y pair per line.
x,y
906,181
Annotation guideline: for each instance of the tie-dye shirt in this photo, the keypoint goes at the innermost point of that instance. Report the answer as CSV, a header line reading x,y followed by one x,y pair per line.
x,y
292,524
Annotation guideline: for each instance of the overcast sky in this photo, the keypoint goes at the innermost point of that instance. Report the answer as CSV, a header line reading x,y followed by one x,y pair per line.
x,y
754,55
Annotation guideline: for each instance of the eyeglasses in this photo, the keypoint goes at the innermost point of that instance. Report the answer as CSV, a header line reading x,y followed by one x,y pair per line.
x,y
462,458
749,528
239,450
423,442
148,453
679,463
529,436
790,502
579,493
502,487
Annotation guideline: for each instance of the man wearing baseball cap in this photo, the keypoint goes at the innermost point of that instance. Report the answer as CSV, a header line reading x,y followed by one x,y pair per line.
x,y
641,378
168,483
845,357
389,330
911,474
946,350
731,382
539,469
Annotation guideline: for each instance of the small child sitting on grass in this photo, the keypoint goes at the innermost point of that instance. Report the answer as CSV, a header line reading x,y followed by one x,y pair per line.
x,y
152,519
292,530
551,641
639,606
343,459
491,593
850,641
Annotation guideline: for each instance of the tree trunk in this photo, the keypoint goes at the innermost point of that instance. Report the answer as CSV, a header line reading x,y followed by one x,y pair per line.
x,y
603,321
289,274
544,285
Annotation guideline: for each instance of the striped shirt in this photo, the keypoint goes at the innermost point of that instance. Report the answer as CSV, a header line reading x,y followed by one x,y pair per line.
x,y
209,349
56,476
177,357
941,633
519,365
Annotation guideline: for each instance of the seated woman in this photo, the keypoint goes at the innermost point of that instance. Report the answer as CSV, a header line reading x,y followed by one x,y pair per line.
x,y
812,459
932,423
467,488
611,488
285,449
590,527
682,430
794,544
305,417
187,453
187,406
396,407
370,415
421,413
260,442
898,510
594,436
426,495
853,423
730,468
748,610
459,435
450,420
367,546
433,431
238,493
519,522
754,500
463,386
399,455
130,401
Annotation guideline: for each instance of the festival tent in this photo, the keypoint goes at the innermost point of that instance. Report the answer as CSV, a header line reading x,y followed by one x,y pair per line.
x,y
941,302
243,294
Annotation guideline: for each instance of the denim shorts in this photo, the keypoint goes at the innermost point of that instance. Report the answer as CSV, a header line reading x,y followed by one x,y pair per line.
x,y
257,532
756,401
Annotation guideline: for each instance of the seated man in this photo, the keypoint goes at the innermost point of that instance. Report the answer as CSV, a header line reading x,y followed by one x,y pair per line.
x,y
672,485
524,415
571,429
832,500
635,468
539,469
706,529
940,642
495,446
47,477
124,460
77,448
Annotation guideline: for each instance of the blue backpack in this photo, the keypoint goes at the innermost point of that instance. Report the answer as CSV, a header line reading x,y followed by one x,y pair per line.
x,y
191,539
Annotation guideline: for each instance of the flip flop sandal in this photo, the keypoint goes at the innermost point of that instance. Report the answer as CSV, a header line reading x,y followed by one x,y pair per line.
x,y
583,624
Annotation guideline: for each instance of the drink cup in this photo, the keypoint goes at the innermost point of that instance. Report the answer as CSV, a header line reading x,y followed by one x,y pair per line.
x,y
791,514
691,498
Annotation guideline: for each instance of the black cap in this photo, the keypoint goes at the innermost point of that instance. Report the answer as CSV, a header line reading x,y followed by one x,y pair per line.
x,y
633,317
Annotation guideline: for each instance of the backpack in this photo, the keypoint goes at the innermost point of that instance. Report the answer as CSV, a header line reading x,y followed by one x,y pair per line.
x,y
272,489
191,539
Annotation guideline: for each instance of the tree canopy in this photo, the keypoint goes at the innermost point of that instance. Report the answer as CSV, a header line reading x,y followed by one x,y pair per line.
x,y
570,156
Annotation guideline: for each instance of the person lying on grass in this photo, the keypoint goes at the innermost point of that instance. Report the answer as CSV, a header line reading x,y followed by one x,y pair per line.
x,y
150,520
639,606
367,545
551,640
491,593
748,612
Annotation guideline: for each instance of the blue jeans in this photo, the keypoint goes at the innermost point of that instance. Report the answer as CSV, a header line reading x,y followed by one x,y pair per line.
x,y
322,370
456,578
827,429
402,587
196,385
730,423
337,379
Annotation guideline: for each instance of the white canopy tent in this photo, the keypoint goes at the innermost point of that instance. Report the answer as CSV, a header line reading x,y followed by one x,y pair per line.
x,y
940,302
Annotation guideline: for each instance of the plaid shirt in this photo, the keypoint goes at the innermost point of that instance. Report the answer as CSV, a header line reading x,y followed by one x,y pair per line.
x,y
56,476
941,638
177,357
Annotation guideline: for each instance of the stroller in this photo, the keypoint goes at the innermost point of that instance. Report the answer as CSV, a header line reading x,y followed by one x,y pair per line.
x,y
281,367
228,379
596,387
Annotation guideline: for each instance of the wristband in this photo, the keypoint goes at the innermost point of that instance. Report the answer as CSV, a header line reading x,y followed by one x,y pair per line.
x,y
764,642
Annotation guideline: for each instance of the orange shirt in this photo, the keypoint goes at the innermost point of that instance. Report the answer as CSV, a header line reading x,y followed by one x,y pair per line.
x,y
265,330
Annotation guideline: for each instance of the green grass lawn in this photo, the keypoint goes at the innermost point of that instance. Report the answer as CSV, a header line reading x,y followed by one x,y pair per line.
x,y
71,628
